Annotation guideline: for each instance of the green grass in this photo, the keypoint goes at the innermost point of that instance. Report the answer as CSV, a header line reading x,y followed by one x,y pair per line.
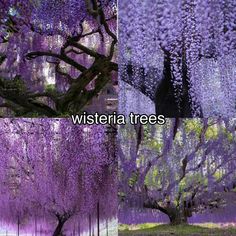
x,y
150,229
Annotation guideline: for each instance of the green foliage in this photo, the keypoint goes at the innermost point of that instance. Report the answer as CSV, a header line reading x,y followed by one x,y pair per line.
x,y
211,133
188,181
155,145
193,125
151,179
217,175
228,134
50,88
151,142
16,85
133,179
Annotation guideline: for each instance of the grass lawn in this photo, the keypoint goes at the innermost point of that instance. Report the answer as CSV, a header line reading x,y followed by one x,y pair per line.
x,y
185,230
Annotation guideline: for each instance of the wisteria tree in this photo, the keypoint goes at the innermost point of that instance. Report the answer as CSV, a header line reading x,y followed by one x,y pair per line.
x,y
181,54
182,168
51,169
55,56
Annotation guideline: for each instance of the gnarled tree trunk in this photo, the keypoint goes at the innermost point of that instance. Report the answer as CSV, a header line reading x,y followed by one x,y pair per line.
x,y
58,230
177,217
165,99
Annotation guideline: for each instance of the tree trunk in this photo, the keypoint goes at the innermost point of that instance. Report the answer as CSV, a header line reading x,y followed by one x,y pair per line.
x,y
165,100
58,230
177,217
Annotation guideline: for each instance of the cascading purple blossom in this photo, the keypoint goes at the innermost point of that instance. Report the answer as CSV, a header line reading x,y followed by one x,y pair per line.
x,y
49,45
55,171
191,36
180,169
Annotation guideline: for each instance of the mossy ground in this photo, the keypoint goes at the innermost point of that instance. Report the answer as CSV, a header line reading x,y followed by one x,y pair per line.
x,y
185,230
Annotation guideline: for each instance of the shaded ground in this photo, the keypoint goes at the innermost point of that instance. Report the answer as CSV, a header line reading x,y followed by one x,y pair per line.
x,y
185,230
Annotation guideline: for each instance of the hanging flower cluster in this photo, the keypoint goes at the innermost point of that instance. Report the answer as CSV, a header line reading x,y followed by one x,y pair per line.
x,y
194,34
47,45
56,171
180,169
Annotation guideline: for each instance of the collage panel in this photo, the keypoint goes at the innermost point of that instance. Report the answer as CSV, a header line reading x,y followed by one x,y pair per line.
x,y
178,179
57,179
57,58
177,57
